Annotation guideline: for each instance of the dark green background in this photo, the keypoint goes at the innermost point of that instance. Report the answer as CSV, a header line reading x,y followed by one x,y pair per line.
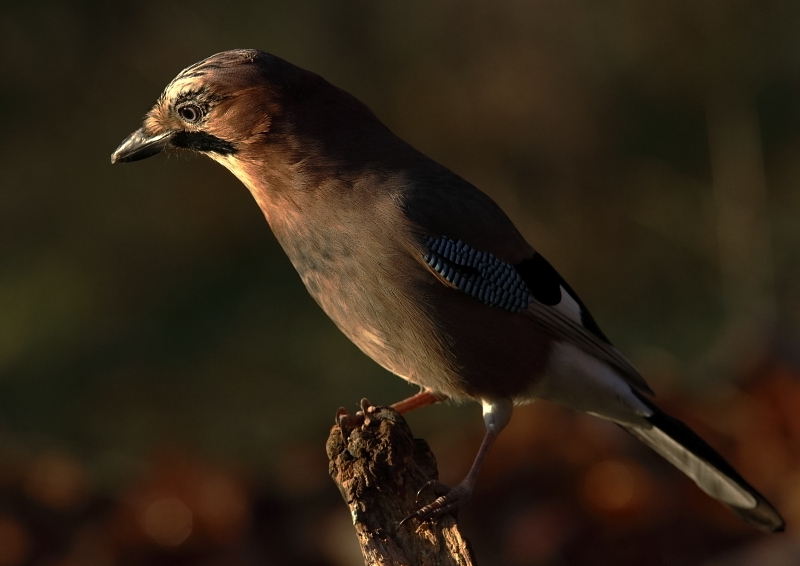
x,y
650,150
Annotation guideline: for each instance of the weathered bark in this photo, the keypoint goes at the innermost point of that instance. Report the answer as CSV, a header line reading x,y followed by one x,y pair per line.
x,y
379,471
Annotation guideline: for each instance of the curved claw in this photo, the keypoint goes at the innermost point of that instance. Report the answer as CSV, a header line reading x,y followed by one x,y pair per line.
x,y
367,409
447,504
347,422
438,487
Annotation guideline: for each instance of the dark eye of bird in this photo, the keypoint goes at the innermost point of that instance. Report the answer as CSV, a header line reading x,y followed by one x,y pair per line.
x,y
190,113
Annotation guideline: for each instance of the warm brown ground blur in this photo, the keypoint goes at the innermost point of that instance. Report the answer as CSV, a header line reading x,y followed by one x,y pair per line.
x,y
166,386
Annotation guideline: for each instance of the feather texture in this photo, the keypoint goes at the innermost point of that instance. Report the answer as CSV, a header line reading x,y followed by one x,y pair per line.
x,y
683,448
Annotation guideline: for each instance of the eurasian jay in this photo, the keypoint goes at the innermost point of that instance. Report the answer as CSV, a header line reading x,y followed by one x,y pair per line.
x,y
420,269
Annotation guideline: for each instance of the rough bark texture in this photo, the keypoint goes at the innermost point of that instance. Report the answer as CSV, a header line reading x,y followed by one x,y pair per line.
x,y
379,471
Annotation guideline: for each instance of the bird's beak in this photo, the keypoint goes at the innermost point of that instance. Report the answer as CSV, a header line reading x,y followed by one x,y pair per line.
x,y
139,145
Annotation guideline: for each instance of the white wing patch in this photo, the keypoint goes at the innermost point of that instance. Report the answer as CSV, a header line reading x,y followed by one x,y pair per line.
x,y
569,307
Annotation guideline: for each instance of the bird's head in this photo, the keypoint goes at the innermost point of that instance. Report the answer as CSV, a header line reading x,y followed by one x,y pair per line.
x,y
272,124
221,106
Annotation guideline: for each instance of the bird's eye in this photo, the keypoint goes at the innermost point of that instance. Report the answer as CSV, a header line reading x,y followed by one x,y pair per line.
x,y
190,113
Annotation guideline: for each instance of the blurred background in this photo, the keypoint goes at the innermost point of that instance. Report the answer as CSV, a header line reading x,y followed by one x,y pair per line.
x,y
167,386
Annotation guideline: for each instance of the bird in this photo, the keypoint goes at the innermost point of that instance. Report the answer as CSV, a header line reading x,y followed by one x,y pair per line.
x,y
416,266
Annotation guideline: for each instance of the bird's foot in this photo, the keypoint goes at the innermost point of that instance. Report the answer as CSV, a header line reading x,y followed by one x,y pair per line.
x,y
448,502
347,423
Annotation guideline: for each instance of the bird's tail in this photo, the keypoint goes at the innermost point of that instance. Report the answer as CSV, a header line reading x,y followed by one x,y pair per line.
x,y
681,446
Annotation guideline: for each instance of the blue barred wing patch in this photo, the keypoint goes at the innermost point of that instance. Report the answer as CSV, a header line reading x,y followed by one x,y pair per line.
x,y
477,273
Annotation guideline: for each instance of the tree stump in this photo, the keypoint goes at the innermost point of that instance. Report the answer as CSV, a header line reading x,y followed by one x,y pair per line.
x,y
379,470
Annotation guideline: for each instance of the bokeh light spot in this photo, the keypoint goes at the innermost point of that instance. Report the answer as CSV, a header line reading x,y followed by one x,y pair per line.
x,y
608,486
168,521
14,542
221,508
57,480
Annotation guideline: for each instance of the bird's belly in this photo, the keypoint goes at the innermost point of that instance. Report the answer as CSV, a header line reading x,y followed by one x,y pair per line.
x,y
430,334
376,287
384,323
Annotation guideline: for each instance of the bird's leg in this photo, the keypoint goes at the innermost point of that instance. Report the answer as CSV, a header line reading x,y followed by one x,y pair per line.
x,y
452,499
421,399
496,415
